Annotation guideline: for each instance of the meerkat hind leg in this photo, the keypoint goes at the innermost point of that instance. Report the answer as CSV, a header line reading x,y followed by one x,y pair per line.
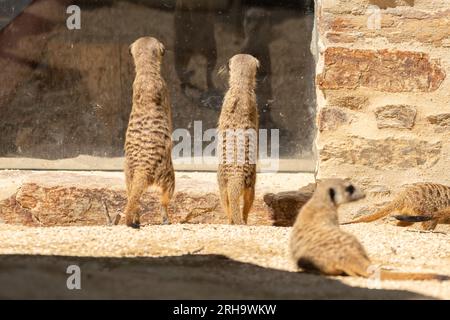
x,y
225,203
429,225
128,179
165,199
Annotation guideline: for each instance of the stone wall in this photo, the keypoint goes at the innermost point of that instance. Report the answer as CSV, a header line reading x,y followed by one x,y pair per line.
x,y
383,93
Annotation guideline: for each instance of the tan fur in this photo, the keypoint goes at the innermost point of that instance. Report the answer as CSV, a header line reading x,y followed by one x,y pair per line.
x,y
419,199
148,143
318,244
239,111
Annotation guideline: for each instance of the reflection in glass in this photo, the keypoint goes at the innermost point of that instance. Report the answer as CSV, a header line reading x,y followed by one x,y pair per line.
x,y
66,93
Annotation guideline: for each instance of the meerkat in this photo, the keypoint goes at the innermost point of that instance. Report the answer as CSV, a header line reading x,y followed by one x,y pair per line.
x,y
319,245
148,141
258,28
441,216
194,24
238,139
429,203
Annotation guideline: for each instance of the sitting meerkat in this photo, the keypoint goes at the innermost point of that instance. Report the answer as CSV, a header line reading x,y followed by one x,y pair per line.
x,y
238,139
319,245
148,142
428,203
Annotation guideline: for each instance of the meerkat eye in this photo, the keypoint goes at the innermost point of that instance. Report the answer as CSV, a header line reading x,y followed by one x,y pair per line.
x,y
350,189
332,194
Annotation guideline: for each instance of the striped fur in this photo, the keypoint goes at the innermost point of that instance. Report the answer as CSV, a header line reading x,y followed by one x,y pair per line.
x,y
239,112
428,200
148,142
319,245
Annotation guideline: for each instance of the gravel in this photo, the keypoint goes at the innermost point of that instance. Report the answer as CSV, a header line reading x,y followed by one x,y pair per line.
x,y
400,248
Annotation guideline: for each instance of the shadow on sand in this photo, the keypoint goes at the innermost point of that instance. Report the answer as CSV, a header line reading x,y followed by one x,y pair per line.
x,y
177,277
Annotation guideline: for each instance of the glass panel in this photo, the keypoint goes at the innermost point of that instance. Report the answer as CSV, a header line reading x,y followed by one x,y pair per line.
x,y
66,93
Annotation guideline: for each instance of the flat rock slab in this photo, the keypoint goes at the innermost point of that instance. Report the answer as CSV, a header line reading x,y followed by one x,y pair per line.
x,y
95,198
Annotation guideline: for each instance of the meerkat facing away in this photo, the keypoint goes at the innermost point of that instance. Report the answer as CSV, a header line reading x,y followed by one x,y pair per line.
x,y
238,139
428,203
148,142
317,243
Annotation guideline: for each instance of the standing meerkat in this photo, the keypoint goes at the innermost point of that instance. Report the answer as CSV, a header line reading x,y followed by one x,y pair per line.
x,y
148,142
238,139
428,203
317,243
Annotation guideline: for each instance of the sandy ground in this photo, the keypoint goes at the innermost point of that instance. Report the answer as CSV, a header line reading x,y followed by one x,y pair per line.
x,y
202,260
206,261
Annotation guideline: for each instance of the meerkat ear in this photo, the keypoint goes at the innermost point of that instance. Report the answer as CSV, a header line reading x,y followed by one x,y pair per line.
x,y
162,49
129,50
223,69
257,63
332,194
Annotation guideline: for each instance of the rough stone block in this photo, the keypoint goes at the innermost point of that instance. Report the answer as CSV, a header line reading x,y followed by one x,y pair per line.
x,y
442,120
331,119
286,205
349,102
383,154
382,70
400,25
396,116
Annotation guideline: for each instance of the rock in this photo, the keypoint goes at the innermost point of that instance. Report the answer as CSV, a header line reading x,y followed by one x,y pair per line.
x,y
383,4
75,199
331,119
442,120
286,205
397,25
382,70
349,102
383,154
395,116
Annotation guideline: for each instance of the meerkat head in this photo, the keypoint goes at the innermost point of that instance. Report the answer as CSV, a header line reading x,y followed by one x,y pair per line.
x,y
339,191
243,68
147,49
257,21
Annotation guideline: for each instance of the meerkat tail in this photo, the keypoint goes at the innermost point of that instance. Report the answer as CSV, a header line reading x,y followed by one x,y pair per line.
x,y
407,218
372,217
392,275
235,188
